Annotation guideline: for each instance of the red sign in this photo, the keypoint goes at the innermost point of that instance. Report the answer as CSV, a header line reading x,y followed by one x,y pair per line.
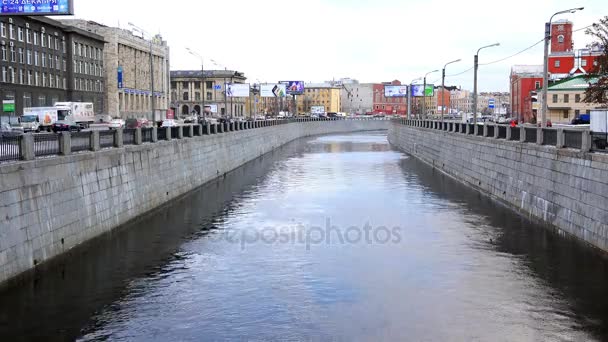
x,y
170,114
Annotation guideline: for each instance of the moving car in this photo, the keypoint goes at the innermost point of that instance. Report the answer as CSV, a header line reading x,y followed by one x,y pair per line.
x,y
169,123
65,126
137,123
116,123
10,130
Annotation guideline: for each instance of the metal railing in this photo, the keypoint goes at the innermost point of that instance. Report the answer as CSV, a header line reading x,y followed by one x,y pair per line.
x,y
198,130
502,132
531,134
599,141
161,133
10,148
515,134
146,135
490,130
573,139
128,136
106,139
46,144
471,128
175,132
479,130
549,137
81,141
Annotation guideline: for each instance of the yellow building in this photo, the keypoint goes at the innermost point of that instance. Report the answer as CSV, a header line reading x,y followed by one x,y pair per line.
x,y
565,100
324,95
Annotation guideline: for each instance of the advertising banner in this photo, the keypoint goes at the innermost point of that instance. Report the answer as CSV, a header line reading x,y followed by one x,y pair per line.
x,y
395,91
36,7
317,110
120,77
273,90
417,90
294,87
211,108
8,106
237,89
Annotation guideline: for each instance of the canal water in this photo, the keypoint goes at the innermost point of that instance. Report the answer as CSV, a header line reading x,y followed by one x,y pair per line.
x,y
336,237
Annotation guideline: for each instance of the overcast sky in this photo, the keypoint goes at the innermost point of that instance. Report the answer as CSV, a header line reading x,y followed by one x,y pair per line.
x,y
372,41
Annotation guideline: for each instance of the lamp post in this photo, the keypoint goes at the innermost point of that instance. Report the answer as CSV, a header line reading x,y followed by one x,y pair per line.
x,y
546,63
152,99
424,92
409,97
476,66
443,85
203,92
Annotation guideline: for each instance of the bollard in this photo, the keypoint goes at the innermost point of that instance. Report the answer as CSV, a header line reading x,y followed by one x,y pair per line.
x,y
94,144
154,134
118,142
522,134
138,137
540,136
586,141
561,138
27,147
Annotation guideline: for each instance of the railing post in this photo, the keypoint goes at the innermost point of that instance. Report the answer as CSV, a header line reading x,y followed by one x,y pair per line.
x,y
65,143
221,127
180,132
468,129
94,143
586,141
190,130
475,129
485,130
207,129
27,147
540,136
118,142
496,131
522,134
508,134
138,137
561,138
154,134
167,133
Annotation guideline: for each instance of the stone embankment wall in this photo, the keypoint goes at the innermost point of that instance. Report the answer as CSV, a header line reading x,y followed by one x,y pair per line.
x,y
49,206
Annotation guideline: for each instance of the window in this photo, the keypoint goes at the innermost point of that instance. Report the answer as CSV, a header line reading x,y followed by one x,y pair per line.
x,y
57,44
557,63
41,100
80,67
35,38
554,98
577,98
209,96
11,31
64,46
43,59
577,112
20,34
28,36
4,74
21,56
209,84
566,114
584,63
4,53
566,98
560,39
76,84
21,76
197,85
197,95
57,64
185,85
44,79
37,79
11,74
3,30
36,58
185,97
29,57
173,85
65,65
75,66
50,61
30,77
65,83
536,85
42,40
27,100
50,41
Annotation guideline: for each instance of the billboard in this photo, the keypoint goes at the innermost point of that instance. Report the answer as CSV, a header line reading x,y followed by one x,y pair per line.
x,y
210,108
417,90
237,89
395,91
36,7
317,110
273,90
294,87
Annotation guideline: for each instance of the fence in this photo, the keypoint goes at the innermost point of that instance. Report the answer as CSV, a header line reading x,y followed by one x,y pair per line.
x,y
573,139
549,137
600,141
515,134
10,148
46,145
81,141
531,134
106,139
146,135
128,136
161,133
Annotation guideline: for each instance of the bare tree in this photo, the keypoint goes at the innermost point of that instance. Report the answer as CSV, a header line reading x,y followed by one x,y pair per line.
x,y
597,92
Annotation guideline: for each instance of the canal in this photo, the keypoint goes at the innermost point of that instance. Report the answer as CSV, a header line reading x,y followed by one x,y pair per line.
x,y
330,238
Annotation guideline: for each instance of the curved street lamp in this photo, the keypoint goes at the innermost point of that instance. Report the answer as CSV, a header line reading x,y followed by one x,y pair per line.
x,y
546,63
443,85
409,97
476,66
424,92
203,92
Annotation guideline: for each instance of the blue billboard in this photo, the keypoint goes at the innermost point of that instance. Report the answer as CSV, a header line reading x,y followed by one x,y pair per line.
x,y
294,87
36,7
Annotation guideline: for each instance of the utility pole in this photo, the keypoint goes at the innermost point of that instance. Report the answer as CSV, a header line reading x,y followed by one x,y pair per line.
x,y
443,86
476,66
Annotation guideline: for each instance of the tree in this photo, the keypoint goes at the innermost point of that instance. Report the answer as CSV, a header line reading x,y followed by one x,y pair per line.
x,y
597,92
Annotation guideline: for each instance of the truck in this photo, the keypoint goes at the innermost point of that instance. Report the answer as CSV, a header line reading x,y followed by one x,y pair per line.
x,y
599,128
80,113
41,118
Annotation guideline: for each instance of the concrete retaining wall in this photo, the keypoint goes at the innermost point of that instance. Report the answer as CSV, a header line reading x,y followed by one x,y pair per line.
x,y
563,188
48,206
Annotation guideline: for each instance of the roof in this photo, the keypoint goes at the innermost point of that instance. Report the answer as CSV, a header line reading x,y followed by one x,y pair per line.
x,y
320,85
527,70
579,83
208,73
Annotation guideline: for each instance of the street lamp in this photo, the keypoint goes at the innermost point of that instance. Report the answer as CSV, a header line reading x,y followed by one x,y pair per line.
x,y
152,98
443,85
203,92
546,63
409,98
476,66
424,92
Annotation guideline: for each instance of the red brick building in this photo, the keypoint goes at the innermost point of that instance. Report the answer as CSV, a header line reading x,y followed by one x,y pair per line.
x,y
388,105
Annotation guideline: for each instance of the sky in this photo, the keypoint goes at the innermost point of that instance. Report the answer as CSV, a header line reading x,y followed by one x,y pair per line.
x,y
371,41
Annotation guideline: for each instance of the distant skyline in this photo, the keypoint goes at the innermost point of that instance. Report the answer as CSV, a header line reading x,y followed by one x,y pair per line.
x,y
371,41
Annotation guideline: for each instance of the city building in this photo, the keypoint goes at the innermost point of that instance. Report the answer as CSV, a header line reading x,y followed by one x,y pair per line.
x,y
357,98
566,99
388,105
187,92
320,94
433,103
461,101
128,57
563,62
43,62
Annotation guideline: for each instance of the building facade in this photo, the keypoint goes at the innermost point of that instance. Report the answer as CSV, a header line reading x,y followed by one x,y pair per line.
x,y
388,105
565,100
188,89
43,62
524,80
131,63
357,98
323,94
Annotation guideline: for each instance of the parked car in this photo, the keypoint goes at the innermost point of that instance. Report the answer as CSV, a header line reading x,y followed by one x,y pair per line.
x,y
65,126
226,120
137,123
117,123
9,130
169,123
